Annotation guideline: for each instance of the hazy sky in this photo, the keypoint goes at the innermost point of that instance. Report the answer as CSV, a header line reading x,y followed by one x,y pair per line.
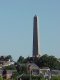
x,y
16,27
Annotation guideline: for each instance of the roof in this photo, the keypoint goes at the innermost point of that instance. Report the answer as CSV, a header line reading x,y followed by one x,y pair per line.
x,y
33,65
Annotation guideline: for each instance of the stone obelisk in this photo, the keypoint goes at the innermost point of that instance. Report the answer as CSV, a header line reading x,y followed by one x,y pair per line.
x,y
35,37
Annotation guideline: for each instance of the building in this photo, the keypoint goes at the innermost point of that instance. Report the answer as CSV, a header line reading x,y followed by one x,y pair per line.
x,y
33,69
7,74
55,72
6,63
35,37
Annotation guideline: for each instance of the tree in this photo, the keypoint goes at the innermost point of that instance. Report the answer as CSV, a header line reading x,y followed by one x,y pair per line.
x,y
48,61
21,59
10,67
28,59
2,58
18,67
44,61
9,57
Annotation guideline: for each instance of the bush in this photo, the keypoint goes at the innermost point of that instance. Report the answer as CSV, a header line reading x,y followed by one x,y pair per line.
x,y
27,77
55,78
1,78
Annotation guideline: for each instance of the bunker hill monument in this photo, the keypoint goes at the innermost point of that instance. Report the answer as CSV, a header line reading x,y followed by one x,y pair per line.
x,y
35,37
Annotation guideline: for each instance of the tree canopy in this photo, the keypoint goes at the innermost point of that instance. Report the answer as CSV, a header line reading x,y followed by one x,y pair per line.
x,y
44,61
8,57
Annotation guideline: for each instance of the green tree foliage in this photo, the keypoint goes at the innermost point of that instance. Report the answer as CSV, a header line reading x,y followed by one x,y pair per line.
x,y
2,58
1,78
18,68
9,57
10,67
44,61
55,78
48,61
28,77
6,58
22,68
28,59
14,76
24,60
21,59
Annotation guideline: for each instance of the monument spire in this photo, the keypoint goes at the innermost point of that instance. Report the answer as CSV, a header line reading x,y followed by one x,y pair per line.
x,y
35,37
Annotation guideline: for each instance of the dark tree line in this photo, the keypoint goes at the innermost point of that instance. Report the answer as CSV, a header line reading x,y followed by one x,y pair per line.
x,y
6,58
44,61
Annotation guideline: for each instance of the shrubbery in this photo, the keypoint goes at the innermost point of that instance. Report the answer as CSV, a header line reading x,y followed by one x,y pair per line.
x,y
1,78
55,78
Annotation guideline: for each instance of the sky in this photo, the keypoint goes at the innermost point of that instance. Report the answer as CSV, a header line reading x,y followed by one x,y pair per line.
x,y
16,27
